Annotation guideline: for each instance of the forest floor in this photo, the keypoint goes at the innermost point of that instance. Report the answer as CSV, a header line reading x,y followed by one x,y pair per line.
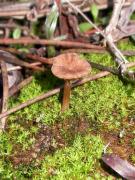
x,y
40,142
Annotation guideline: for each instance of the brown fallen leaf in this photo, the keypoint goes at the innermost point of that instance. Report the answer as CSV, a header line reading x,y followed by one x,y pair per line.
x,y
122,167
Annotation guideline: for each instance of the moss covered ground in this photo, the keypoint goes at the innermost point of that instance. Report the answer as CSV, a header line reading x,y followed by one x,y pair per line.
x,y
101,112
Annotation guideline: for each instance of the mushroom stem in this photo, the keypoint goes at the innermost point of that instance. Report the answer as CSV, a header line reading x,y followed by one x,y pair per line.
x,y
66,95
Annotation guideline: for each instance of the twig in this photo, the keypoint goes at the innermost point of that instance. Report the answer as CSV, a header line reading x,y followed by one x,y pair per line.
x,y
131,64
57,90
124,27
129,53
101,4
30,56
108,39
17,88
109,69
102,51
122,32
78,50
21,14
104,68
118,4
40,59
69,44
22,9
9,6
7,57
15,68
5,92
94,65
51,93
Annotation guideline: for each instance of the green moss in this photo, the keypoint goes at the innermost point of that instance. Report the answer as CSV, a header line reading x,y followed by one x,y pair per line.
x,y
38,111
103,103
74,162
99,101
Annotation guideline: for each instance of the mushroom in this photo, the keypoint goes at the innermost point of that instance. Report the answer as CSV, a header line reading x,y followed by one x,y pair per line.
x,y
69,66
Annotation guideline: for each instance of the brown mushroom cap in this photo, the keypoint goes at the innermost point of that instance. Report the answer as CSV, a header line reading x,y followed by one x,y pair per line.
x,y
69,66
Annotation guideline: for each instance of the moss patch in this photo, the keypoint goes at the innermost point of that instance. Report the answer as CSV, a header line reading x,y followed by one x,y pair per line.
x,y
107,105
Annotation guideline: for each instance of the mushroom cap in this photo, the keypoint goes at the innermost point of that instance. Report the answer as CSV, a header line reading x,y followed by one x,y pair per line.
x,y
70,66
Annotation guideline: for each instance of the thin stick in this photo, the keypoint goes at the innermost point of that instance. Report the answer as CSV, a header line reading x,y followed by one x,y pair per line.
x,y
51,93
109,69
40,59
84,51
70,44
22,13
112,46
7,57
5,92
22,9
17,88
15,68
30,56
57,90
102,51
94,65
